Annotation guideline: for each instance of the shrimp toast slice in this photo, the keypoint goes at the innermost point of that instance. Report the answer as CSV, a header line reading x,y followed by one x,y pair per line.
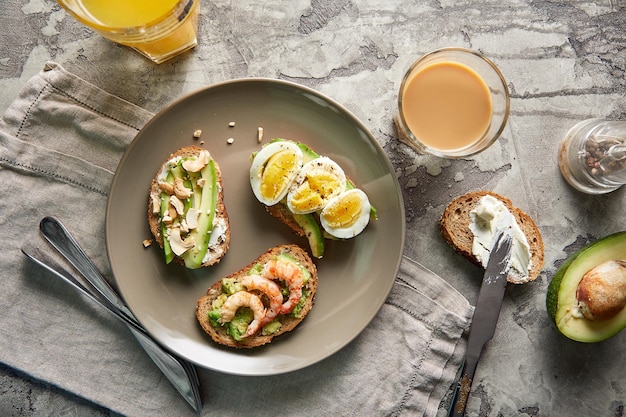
x,y
255,319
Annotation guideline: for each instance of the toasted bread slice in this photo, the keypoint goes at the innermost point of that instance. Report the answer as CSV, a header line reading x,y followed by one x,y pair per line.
x,y
220,242
454,225
288,322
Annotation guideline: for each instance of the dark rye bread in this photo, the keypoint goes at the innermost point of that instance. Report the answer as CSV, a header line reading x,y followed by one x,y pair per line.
x,y
219,334
454,226
218,250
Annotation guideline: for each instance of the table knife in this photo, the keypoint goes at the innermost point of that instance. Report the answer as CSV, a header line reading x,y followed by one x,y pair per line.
x,y
484,320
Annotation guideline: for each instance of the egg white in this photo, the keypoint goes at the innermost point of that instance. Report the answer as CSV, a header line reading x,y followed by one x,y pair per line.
x,y
318,165
258,166
357,226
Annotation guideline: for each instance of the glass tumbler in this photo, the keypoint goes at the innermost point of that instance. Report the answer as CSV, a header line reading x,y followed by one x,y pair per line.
x,y
592,156
452,103
158,29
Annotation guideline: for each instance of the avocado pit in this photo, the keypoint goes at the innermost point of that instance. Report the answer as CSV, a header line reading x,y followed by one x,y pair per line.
x,y
601,293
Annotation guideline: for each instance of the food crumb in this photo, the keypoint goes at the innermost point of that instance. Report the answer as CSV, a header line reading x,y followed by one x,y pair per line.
x,y
231,124
230,141
201,142
259,136
147,243
197,133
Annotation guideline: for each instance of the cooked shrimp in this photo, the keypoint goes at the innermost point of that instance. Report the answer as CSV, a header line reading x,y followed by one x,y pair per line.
x,y
244,299
292,275
269,288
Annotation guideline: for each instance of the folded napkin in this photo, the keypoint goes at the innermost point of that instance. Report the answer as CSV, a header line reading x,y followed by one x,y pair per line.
x,y
60,142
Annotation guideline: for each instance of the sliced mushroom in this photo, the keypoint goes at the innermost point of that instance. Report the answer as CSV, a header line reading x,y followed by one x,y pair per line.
x,y
196,165
178,245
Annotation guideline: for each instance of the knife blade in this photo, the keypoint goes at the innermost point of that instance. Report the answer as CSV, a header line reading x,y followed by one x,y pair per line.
x,y
485,318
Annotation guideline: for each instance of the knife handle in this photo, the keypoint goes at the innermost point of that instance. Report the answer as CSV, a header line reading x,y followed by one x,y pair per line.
x,y
462,391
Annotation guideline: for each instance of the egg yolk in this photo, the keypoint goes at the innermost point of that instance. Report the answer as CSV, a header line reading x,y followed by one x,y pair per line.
x,y
344,213
276,175
313,193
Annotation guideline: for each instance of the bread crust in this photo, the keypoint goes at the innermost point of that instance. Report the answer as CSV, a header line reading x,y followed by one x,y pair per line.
x,y
454,227
219,334
218,250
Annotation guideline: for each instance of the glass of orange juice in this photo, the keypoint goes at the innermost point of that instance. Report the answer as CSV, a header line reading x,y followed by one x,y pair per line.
x,y
158,29
453,103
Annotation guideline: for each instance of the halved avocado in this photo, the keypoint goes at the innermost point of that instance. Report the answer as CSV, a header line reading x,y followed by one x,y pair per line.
x,y
562,303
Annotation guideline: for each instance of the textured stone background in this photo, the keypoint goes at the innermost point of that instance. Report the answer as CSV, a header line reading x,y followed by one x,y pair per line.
x,y
564,61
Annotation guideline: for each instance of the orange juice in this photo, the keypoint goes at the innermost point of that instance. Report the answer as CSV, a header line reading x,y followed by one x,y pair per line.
x,y
159,29
447,106
127,13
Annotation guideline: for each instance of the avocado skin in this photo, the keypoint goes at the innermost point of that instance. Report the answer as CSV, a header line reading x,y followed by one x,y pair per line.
x,y
595,249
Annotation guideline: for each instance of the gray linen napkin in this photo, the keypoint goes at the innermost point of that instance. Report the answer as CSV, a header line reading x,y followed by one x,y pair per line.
x,y
60,142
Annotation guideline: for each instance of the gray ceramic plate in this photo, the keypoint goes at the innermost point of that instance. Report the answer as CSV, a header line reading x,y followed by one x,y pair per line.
x,y
355,276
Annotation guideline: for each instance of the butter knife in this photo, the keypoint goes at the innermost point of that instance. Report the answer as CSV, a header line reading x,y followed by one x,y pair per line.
x,y
179,372
484,320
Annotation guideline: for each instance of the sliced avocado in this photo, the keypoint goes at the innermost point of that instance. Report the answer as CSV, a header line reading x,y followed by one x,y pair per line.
x,y
165,204
313,233
205,200
167,249
308,153
561,300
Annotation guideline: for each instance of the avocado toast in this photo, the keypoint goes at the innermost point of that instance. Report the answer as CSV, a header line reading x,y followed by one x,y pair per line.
x,y
263,300
186,212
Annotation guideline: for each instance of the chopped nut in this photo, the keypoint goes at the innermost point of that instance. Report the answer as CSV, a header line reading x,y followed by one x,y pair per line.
x,y
230,141
184,227
171,212
259,134
197,133
179,246
192,218
166,187
147,243
196,164
180,190
178,205
156,203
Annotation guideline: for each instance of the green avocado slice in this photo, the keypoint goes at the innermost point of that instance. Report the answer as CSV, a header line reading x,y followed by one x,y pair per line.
x,y
207,198
561,301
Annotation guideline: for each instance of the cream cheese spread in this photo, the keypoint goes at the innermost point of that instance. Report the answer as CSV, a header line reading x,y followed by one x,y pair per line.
x,y
488,218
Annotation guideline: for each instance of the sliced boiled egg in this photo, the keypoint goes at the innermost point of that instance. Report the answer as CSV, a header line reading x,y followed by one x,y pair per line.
x,y
273,170
319,181
347,214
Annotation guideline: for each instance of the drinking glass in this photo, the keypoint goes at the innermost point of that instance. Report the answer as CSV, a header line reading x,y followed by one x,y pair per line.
x,y
452,103
158,29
